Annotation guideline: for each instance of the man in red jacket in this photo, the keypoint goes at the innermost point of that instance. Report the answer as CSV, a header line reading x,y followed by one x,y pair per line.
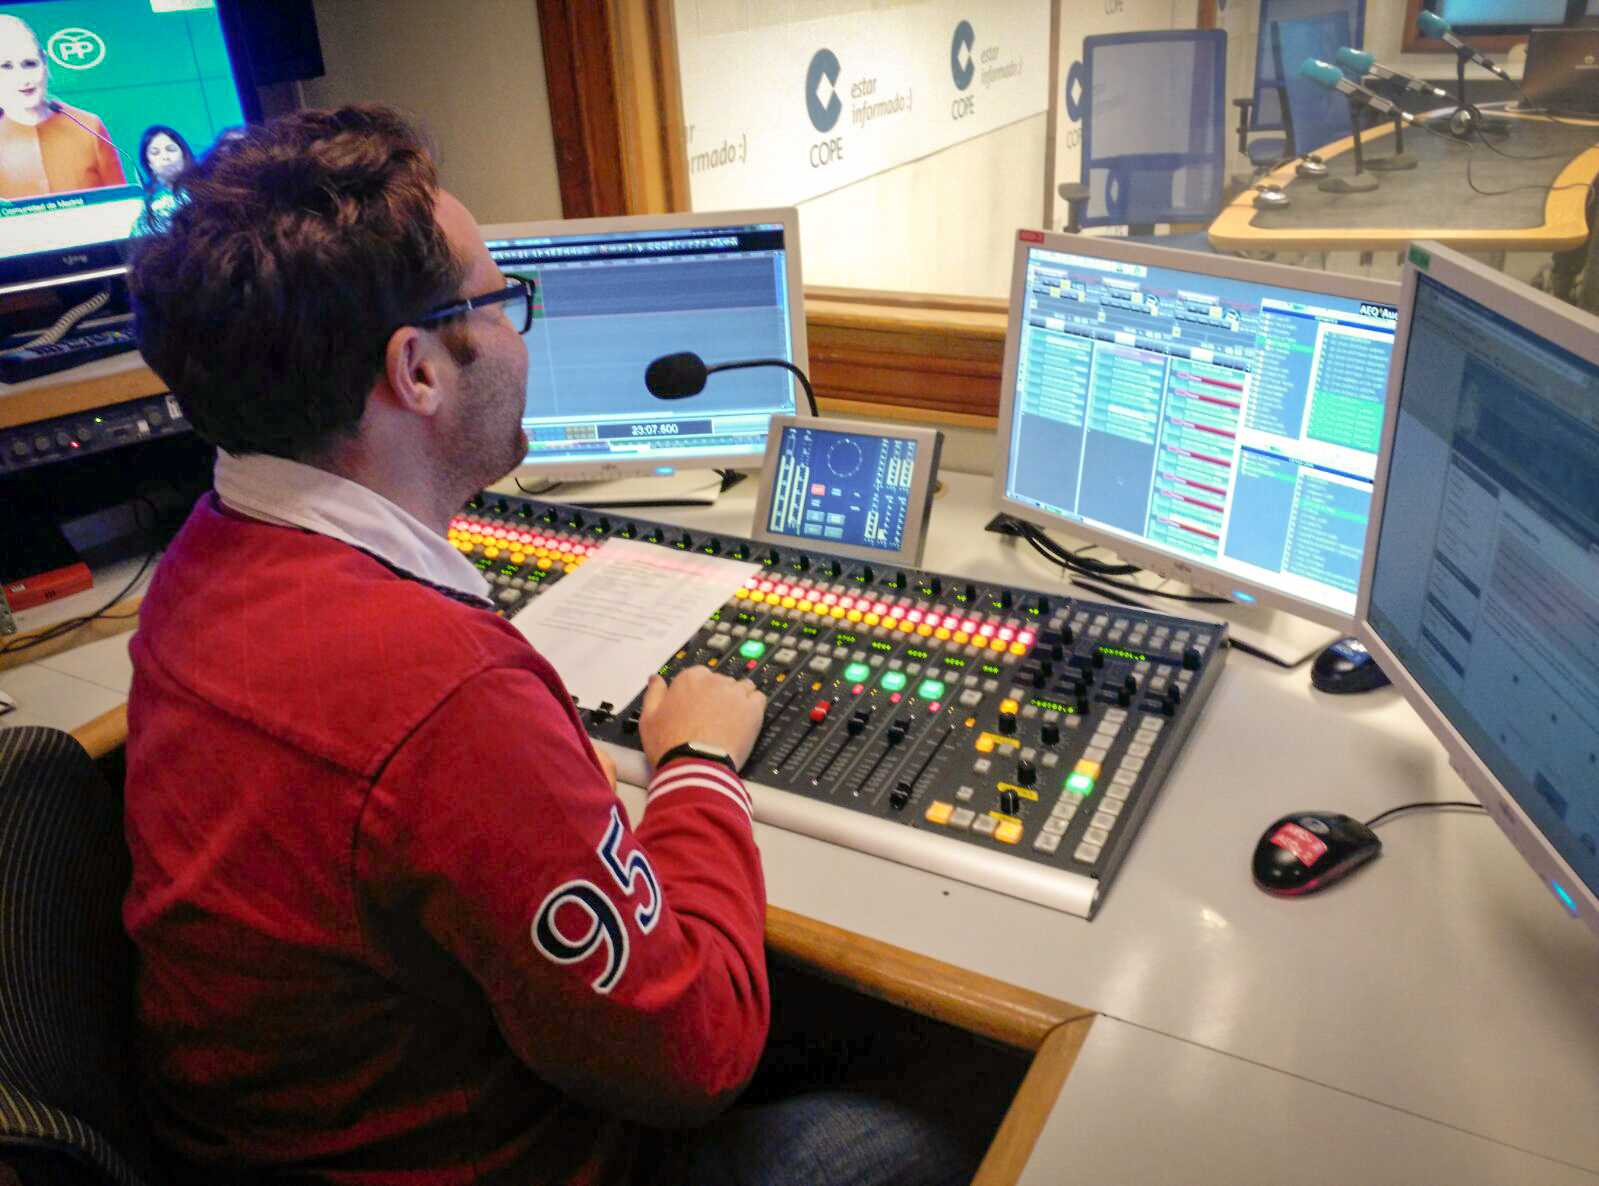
x,y
393,925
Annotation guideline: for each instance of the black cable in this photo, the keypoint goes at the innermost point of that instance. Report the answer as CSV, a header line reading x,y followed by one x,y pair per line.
x,y
52,633
1546,111
68,625
1101,578
1495,193
1424,805
547,488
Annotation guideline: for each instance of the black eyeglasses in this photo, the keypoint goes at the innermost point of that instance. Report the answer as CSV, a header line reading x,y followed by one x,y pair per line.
x,y
517,296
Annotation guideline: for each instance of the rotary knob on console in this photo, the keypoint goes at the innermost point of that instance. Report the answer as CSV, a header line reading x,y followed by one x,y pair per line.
x,y
1191,658
866,575
966,594
655,536
711,548
602,526
931,587
770,558
1026,772
832,569
800,563
1007,722
1050,733
685,541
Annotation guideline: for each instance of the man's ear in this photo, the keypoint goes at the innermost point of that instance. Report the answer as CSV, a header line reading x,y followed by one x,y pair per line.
x,y
412,370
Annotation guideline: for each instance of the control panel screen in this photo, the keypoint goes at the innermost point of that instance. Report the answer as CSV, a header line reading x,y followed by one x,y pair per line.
x,y
1224,423
610,303
1485,578
842,487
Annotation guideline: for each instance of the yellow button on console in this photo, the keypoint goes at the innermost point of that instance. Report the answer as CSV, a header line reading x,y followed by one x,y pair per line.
x,y
938,811
1008,832
1084,766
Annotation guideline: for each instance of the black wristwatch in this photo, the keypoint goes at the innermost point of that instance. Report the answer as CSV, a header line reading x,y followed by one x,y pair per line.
x,y
702,750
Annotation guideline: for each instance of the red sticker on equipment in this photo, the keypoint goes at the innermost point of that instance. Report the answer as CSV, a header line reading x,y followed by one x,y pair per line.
x,y
1304,844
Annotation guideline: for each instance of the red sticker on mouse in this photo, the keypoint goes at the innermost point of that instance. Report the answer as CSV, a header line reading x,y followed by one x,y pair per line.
x,y
1304,844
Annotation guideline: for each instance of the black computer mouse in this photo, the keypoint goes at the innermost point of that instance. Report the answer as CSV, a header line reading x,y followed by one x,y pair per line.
x,y
1310,850
1346,666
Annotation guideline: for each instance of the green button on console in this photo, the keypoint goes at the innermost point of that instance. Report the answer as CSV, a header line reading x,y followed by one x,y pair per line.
x,y
856,673
893,681
1079,783
931,689
752,648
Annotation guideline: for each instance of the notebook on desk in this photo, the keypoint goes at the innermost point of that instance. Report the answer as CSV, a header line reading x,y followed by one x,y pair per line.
x,y
1562,71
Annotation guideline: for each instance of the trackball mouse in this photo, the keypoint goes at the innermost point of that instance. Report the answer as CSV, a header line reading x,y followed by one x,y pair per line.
x,y
1310,850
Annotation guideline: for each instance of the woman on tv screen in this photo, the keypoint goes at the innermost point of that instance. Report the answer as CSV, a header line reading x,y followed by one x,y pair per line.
x,y
46,147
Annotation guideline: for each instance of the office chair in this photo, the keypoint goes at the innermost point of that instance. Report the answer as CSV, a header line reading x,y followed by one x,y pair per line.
x,y
1153,133
1266,109
68,1112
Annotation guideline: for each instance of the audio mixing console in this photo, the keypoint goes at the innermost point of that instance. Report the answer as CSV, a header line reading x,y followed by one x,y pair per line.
x,y
1006,738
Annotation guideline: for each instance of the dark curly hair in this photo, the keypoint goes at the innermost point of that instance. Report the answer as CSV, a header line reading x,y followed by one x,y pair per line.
x,y
296,250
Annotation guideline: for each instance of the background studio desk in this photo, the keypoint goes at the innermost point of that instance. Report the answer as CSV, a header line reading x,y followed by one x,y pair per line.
x,y
1434,200
1434,1019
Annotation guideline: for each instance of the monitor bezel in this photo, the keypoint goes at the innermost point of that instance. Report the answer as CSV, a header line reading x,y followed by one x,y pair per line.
x,y
1201,577
1568,328
108,259
787,216
918,503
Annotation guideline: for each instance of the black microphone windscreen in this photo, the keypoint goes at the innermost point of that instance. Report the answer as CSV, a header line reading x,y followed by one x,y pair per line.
x,y
674,376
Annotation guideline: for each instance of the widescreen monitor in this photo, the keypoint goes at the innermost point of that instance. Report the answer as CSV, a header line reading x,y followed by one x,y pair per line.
x,y
614,294
1480,595
100,99
1212,419
1515,17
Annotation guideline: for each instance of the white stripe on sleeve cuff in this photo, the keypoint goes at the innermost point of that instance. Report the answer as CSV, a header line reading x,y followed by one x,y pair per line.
x,y
710,776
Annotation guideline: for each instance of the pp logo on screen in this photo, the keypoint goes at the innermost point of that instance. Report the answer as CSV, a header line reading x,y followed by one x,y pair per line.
x,y
76,49
821,100
1074,92
961,63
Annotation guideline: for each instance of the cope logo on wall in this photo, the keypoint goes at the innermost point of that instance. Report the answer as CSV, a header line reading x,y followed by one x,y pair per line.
x,y
75,49
821,96
962,64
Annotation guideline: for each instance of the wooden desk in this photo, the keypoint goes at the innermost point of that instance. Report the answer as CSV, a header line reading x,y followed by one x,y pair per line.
x,y
98,384
1432,201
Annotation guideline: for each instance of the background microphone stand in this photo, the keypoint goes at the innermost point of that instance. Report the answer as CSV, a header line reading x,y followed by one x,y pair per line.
x,y
1361,182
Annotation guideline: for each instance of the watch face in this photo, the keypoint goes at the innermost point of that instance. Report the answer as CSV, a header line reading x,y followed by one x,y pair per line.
x,y
708,750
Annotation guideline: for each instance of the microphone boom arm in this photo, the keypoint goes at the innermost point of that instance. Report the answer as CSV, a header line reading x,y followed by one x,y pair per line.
x,y
810,395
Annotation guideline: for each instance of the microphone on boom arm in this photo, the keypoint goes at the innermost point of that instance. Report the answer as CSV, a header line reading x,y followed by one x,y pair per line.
x,y
677,376
1466,119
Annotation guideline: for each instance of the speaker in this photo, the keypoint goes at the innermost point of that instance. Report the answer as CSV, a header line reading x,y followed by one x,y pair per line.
x,y
278,37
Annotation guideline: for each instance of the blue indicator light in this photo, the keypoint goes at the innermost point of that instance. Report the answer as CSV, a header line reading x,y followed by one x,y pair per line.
x,y
1560,892
665,471
1246,598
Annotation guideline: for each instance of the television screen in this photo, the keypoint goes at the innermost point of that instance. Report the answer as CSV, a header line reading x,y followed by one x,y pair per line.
x,y
103,102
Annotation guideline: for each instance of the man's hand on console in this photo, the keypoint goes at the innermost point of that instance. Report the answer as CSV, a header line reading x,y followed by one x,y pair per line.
x,y
701,706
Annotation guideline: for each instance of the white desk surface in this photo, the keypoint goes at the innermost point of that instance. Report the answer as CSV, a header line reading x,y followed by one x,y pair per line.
x,y
1435,1018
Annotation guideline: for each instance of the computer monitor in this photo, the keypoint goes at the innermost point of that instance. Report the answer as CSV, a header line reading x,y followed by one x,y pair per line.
x,y
616,293
1212,419
1480,594
92,86
1468,17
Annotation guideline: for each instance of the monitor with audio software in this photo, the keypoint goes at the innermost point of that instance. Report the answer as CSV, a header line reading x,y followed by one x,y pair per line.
x,y
1212,419
860,490
615,294
1480,593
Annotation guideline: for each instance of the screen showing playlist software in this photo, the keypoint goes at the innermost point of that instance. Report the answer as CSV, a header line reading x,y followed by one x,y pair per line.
x,y
1229,424
1486,573
843,487
609,304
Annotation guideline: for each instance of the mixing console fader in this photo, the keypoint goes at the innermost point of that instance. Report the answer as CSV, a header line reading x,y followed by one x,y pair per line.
x,y
1011,739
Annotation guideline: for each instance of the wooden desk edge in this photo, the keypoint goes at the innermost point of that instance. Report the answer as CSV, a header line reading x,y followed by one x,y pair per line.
x,y
1051,1030
1565,222
124,618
